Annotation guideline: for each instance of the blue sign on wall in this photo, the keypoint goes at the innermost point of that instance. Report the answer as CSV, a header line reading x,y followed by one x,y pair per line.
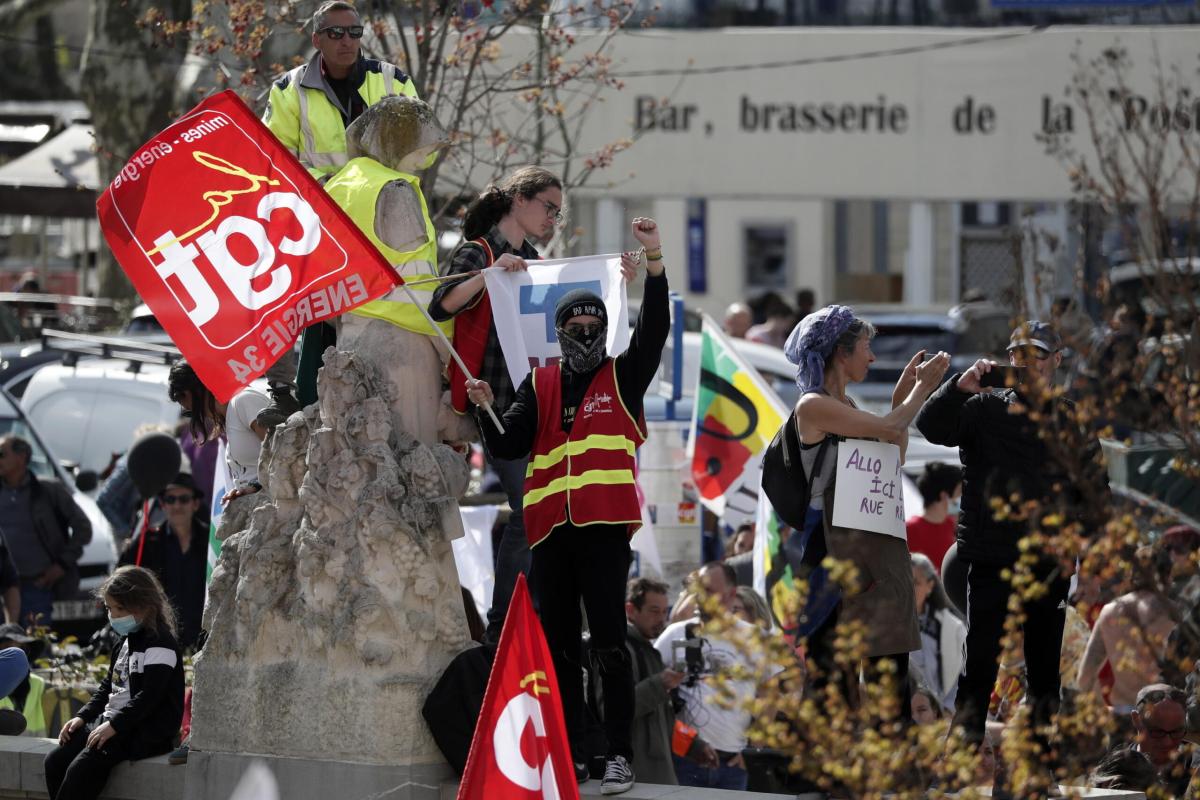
x,y
697,246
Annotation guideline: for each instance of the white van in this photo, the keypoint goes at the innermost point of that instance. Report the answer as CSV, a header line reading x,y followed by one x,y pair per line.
x,y
89,411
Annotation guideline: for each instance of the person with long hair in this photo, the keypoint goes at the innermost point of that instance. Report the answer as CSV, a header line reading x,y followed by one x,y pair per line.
x,y
939,659
136,711
497,230
831,349
236,419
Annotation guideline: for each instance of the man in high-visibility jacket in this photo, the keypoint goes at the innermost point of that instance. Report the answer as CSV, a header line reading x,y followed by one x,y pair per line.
x,y
308,110
580,422
310,107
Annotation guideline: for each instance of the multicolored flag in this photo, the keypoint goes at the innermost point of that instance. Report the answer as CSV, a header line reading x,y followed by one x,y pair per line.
x,y
219,488
520,749
736,415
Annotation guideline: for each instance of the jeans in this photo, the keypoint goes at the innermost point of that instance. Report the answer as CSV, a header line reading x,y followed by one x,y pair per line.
x,y
73,772
14,666
37,605
724,776
987,609
512,556
589,564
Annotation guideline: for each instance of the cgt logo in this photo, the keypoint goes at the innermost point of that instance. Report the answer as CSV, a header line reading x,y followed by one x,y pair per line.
x,y
247,231
519,713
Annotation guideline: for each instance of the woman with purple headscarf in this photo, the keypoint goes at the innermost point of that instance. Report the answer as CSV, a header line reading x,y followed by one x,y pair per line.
x,y
831,349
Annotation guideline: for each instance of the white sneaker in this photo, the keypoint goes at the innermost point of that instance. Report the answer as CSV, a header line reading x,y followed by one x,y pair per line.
x,y
618,777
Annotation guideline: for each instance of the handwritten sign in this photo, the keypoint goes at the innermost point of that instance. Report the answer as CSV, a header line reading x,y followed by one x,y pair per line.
x,y
263,251
870,488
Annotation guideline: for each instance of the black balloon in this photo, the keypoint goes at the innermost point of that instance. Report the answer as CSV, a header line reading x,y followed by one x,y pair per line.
x,y
954,578
154,460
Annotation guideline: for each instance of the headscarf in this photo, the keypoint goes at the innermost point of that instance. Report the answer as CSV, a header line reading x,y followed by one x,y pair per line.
x,y
811,342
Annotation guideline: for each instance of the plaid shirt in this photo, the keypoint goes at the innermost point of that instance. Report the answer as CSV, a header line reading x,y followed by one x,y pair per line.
x,y
468,257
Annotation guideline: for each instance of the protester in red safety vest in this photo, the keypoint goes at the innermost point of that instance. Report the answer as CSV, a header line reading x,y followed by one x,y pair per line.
x,y
497,230
580,422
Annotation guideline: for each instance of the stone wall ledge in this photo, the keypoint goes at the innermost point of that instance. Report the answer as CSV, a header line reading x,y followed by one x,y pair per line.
x,y
213,776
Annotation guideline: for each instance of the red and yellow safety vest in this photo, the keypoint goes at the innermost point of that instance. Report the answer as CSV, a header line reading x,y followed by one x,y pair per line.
x,y
587,476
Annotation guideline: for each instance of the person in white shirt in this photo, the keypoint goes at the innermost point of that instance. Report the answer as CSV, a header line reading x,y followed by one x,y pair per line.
x,y
236,420
704,660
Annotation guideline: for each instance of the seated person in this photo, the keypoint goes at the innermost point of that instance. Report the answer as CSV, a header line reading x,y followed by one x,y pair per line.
x,y
14,668
26,697
1159,726
136,711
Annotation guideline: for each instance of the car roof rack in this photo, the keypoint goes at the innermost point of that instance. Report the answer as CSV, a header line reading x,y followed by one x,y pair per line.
x,y
73,345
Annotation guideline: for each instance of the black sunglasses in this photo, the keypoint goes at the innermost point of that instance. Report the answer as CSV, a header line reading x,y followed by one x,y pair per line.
x,y
338,31
172,499
1158,695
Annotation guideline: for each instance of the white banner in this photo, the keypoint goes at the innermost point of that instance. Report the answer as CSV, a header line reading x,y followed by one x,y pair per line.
x,y
523,307
473,554
870,488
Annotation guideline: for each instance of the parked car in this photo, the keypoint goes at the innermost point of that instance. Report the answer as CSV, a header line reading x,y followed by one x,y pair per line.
x,y
967,332
82,613
90,410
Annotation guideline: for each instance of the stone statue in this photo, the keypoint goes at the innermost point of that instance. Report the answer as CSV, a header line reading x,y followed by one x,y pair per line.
x,y
335,603
378,190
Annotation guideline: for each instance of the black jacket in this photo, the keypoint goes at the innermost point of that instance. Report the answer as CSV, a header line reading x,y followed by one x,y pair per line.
x,y
154,712
185,584
62,528
1003,455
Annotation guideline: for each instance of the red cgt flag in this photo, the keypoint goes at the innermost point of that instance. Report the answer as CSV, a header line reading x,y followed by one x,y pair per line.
x,y
232,244
520,749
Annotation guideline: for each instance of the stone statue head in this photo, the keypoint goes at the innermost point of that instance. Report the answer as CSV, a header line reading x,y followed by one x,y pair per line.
x,y
398,132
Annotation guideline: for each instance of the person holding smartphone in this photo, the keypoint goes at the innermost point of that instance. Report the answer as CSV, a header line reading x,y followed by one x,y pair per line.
x,y
1004,453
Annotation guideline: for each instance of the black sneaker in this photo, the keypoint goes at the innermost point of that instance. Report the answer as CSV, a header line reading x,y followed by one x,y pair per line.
x,y
12,723
283,405
581,772
179,755
618,777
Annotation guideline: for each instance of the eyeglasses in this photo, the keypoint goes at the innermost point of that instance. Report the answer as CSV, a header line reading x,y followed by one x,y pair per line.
x,y
552,210
576,331
338,31
173,499
1162,733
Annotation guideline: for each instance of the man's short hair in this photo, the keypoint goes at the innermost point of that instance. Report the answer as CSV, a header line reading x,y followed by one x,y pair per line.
x,y
730,572
327,8
936,478
19,446
640,587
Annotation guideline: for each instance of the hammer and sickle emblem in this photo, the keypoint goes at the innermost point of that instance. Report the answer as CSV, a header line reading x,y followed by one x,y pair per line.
x,y
520,711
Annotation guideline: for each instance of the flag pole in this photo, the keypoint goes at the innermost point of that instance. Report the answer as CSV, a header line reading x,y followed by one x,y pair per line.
x,y
453,353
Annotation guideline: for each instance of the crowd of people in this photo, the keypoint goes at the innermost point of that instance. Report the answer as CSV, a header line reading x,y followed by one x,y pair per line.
x,y
650,683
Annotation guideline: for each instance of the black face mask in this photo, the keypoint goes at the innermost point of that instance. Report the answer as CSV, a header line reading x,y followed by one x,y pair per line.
x,y
583,353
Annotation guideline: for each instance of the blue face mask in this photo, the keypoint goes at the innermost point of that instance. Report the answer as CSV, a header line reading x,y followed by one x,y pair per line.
x,y
123,625
954,507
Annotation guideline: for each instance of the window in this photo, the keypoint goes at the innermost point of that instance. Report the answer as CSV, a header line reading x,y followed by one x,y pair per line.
x,y
765,249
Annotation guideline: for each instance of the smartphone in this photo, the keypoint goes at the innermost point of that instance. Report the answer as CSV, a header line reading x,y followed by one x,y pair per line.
x,y
1002,377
